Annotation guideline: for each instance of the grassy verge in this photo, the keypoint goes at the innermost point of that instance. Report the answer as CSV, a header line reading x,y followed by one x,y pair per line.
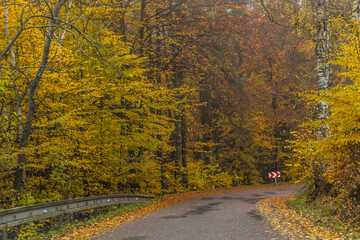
x,y
323,213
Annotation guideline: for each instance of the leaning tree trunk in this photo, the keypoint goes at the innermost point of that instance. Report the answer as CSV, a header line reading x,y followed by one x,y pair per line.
x,y
20,172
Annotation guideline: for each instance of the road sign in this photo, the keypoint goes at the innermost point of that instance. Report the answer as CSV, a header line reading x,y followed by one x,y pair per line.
x,y
274,174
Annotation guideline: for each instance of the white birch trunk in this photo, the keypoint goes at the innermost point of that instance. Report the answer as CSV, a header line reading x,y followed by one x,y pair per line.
x,y
62,35
356,10
324,70
18,107
12,53
322,31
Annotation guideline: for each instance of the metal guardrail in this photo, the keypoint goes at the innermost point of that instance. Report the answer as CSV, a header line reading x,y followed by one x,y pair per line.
x,y
16,216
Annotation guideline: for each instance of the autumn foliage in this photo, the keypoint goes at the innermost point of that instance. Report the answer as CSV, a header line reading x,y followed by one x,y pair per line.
x,y
153,97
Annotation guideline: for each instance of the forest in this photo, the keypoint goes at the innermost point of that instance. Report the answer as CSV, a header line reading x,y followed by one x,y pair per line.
x,y
167,96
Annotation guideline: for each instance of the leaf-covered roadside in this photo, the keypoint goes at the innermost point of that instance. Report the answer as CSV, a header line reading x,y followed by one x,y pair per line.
x,y
107,224
293,224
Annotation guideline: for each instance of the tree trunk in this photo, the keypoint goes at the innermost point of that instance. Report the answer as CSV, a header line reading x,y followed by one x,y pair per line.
x,y
3,105
356,10
324,83
177,141
177,131
20,171
123,21
18,108
183,141
142,26
183,130
322,54
205,118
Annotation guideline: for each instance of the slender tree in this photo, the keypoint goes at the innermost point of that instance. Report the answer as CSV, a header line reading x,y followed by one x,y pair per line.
x,y
20,172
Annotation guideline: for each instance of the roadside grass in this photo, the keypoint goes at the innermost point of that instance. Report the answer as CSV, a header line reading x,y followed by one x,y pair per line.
x,y
325,213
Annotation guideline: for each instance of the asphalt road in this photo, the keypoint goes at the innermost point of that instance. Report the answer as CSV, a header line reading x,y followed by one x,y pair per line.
x,y
230,216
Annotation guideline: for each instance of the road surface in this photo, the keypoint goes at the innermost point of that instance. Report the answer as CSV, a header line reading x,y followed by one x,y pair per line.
x,y
230,216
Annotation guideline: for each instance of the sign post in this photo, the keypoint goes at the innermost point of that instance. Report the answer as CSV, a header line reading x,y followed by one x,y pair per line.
x,y
274,175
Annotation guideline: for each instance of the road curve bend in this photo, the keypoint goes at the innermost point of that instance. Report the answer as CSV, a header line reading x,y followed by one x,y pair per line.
x,y
230,216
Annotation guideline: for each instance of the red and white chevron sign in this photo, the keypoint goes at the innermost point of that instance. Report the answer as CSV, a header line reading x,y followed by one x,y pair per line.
x,y
274,174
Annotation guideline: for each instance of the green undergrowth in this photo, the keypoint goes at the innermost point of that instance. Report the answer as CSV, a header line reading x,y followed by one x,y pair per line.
x,y
325,212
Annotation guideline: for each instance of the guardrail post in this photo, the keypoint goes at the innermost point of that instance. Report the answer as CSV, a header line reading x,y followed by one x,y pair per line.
x,y
61,220
4,234
17,216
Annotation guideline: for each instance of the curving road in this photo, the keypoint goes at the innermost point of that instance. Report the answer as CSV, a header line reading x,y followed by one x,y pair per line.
x,y
230,216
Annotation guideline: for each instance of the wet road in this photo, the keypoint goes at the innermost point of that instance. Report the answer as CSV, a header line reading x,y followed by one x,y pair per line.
x,y
230,216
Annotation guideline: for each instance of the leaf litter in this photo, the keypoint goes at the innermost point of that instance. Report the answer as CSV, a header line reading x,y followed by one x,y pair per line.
x,y
292,224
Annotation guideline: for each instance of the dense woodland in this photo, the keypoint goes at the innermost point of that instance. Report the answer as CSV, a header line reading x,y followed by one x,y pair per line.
x,y
165,96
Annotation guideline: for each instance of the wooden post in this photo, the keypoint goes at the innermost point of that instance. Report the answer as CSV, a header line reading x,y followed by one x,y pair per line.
x,y
61,221
4,234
